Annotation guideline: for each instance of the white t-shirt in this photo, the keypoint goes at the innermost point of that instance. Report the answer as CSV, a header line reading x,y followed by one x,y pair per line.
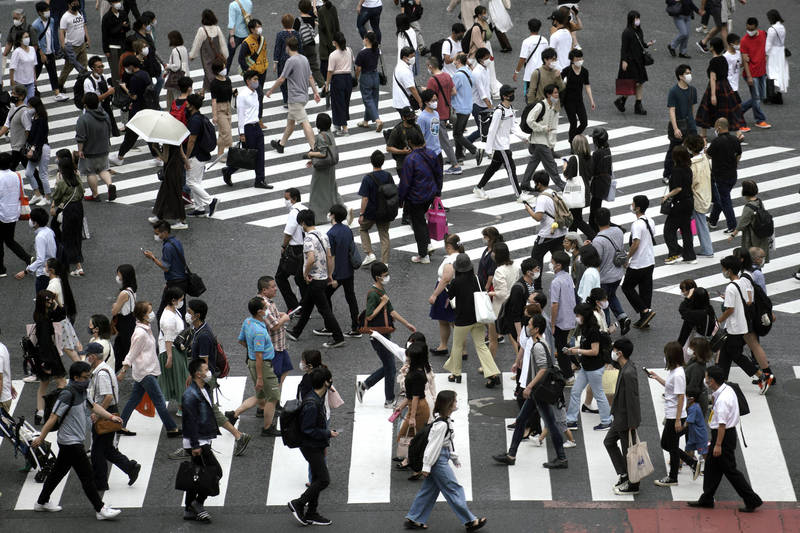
x,y
292,228
89,87
734,68
528,47
644,256
480,85
5,370
171,324
737,322
73,26
402,42
24,64
674,385
372,3
544,204
402,74
448,260
450,48
561,41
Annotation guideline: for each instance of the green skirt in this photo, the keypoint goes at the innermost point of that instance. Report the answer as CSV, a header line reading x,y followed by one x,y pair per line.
x,y
173,380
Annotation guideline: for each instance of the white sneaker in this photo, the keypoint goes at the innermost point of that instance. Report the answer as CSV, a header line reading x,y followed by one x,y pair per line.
x,y
180,225
480,193
30,379
40,200
570,444
60,97
152,219
424,260
540,442
106,513
158,162
369,258
115,160
49,507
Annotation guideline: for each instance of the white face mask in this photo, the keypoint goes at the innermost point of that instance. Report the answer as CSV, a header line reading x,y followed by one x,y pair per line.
x,y
579,63
633,209
46,15
579,320
208,376
385,279
411,60
129,70
17,22
433,105
259,31
223,72
119,280
145,51
752,33
537,274
26,41
603,304
179,304
287,203
117,5
637,22
553,100
156,238
690,352
687,78
736,47
614,355
151,317
303,366
31,224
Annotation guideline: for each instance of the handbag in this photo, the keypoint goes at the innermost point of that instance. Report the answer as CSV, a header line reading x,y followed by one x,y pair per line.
x,y
121,99
674,7
625,87
239,157
667,206
484,312
103,426
382,79
24,204
550,389
172,78
437,220
647,58
386,329
786,51
353,68
639,464
612,190
194,283
198,478
574,195
403,443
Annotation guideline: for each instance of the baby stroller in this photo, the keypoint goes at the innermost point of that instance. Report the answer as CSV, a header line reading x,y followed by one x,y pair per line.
x,y
20,433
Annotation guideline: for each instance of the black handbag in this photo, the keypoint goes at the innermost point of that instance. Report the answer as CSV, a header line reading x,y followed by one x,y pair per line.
x,y
121,99
239,157
666,207
195,286
291,261
647,58
198,479
550,389
382,79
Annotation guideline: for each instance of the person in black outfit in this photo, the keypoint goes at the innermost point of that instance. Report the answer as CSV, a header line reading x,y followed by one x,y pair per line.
x,y
138,82
681,198
143,29
632,65
316,437
114,27
725,151
696,312
48,365
580,164
601,169
577,77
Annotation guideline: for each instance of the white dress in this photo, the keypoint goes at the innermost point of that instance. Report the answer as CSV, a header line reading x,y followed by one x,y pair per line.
x,y
777,66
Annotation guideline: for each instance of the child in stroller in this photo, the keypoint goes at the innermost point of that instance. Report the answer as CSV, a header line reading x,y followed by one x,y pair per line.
x,y
20,433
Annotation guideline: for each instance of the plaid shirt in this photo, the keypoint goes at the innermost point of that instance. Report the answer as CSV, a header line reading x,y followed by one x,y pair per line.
x,y
278,334
421,178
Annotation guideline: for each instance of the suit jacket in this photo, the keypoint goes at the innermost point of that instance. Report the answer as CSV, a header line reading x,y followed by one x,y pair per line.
x,y
625,406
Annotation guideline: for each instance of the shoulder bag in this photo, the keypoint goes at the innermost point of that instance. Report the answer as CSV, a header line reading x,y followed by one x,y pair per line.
x,y
638,459
195,285
382,79
198,478
214,48
484,312
353,68
647,58
103,426
245,15
412,102
367,328
550,389
620,256
173,76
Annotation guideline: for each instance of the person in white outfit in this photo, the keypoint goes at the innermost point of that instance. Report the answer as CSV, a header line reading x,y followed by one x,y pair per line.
x,y
777,66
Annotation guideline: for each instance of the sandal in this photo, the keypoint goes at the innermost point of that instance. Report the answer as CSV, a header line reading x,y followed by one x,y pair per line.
x,y
476,524
363,124
401,466
454,379
410,524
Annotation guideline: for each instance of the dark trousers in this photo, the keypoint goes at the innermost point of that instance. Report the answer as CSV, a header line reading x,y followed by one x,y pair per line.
x,y
50,66
416,213
315,296
594,206
129,140
371,15
576,114
282,280
671,227
183,284
349,296
7,239
668,164
71,456
540,248
232,50
618,457
106,105
642,278
528,407
458,136
103,452
386,372
284,86
501,158
670,444
613,302
725,465
262,80
579,224
483,126
533,421
320,478
503,39
564,361
207,459
41,283
721,198
546,411
254,138
732,351
17,159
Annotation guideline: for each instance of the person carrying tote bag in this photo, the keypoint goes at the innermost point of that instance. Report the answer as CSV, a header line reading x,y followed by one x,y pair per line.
x,y
484,312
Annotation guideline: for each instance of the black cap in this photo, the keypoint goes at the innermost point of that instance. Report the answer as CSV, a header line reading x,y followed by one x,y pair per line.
x,y
93,348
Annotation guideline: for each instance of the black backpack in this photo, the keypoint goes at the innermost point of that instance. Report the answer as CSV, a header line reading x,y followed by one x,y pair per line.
x,y
436,51
416,448
467,39
77,90
50,402
291,432
5,105
744,407
762,225
150,97
388,200
760,310
523,123
208,139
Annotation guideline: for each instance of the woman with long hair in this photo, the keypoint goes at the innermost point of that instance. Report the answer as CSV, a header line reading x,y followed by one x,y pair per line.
x,y
339,82
486,269
369,80
775,47
579,166
174,366
122,312
67,208
38,154
631,62
59,286
209,44
48,365
169,201
99,329
415,384
601,175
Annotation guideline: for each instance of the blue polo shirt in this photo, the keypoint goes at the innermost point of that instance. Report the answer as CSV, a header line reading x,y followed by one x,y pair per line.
x,y
341,239
172,257
462,101
255,333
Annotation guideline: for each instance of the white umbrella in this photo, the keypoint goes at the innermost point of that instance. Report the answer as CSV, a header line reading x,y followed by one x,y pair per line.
x,y
158,127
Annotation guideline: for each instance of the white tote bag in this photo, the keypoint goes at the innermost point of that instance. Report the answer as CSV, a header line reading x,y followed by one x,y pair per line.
x,y
484,312
612,190
574,194
639,464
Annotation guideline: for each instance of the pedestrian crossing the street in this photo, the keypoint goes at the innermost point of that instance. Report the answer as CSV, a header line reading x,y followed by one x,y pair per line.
x,y
371,478
638,155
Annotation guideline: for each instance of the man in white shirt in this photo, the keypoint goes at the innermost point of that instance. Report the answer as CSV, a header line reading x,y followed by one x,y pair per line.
x,y
734,319
544,127
74,38
641,262
10,188
7,390
250,134
549,238
451,48
530,54
481,95
96,83
734,59
45,244
561,40
291,261
722,457
404,88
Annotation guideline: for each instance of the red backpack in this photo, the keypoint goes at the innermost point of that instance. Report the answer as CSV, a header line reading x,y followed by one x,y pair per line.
x,y
179,112
223,368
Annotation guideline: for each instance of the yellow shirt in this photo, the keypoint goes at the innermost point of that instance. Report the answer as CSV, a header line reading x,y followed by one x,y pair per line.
x,y
261,63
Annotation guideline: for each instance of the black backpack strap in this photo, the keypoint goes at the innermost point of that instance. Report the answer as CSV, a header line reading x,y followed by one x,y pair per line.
x,y
446,101
606,237
534,51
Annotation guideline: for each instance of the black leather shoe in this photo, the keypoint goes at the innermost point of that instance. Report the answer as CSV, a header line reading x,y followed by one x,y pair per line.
x,y
699,503
262,185
585,409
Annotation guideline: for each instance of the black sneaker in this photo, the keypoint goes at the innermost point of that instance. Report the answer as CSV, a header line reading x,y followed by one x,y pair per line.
x,y
624,326
638,323
646,317
263,185
702,47
573,426
505,459
627,488
317,519
324,332
354,334
112,193
270,432
197,213
226,176
133,475
333,344
712,225
212,207
619,103
556,464
241,445
479,156
231,416
586,409
298,509
277,145
671,50
666,481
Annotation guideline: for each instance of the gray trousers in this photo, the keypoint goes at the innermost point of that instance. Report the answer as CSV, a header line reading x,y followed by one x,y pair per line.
x,y
543,154
418,29
447,146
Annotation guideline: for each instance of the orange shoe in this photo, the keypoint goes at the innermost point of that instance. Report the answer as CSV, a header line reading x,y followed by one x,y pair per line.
x,y
744,129
763,124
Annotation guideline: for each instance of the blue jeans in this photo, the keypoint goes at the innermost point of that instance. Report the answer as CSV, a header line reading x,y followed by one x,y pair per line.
x,y
369,84
548,416
371,15
721,196
706,248
386,372
595,379
441,479
149,384
613,302
758,92
681,40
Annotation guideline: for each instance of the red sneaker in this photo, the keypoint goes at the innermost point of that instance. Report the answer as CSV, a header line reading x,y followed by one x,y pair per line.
x,y
763,124
744,129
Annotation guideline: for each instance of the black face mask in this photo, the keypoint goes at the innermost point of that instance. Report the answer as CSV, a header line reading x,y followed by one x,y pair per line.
x,y
74,7
510,98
